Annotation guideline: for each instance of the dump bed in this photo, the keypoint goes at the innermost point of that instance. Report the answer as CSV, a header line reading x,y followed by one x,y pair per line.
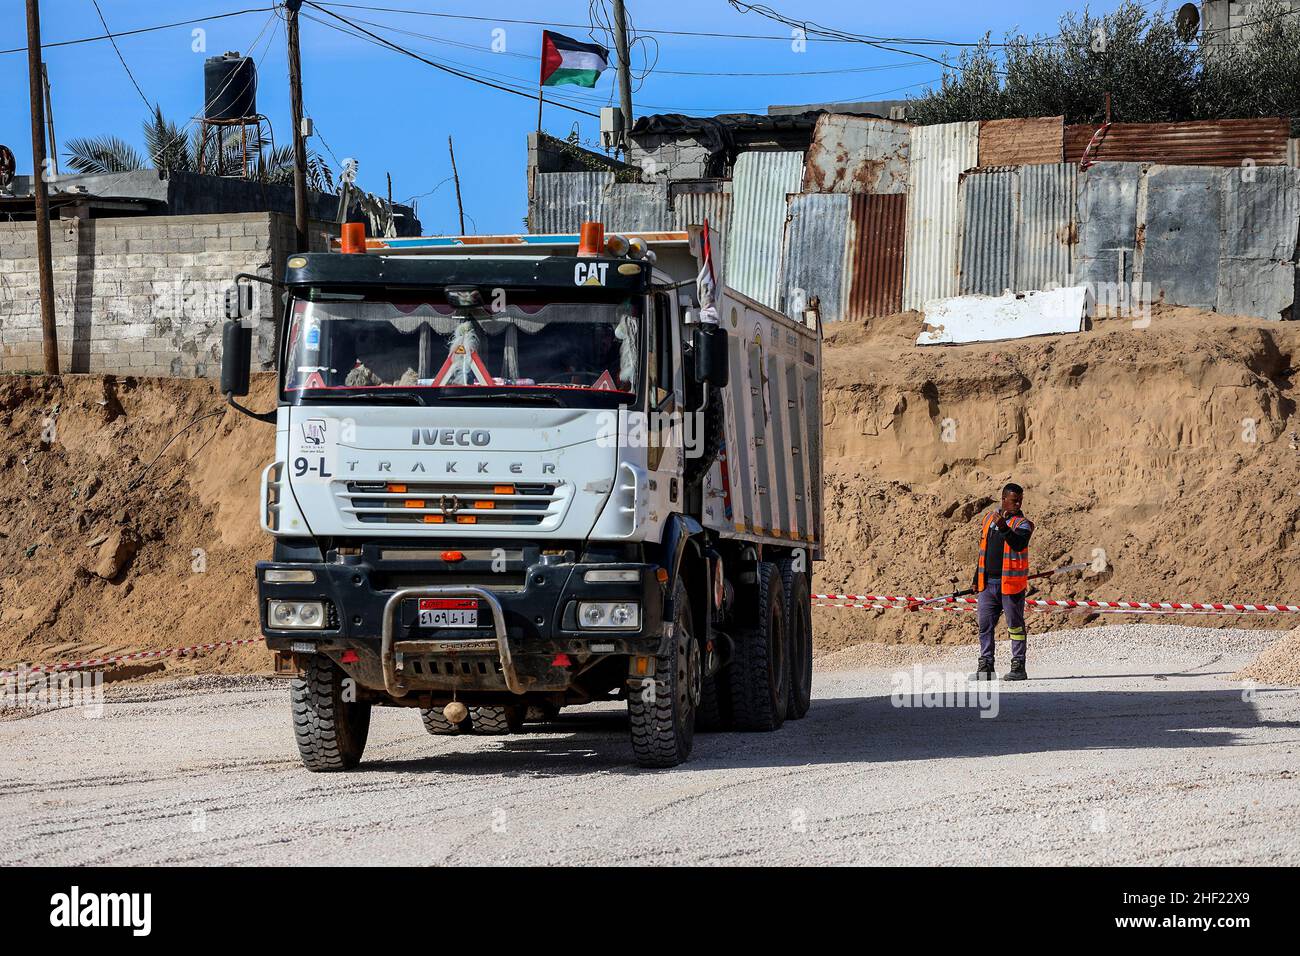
x,y
766,485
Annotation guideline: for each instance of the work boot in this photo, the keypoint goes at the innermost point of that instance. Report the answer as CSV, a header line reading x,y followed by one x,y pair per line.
x,y
1017,671
985,670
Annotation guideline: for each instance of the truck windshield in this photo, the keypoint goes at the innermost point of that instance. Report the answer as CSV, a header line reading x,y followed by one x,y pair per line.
x,y
584,352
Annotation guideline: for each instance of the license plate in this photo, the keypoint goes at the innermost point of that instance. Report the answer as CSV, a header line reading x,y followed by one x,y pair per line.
x,y
448,612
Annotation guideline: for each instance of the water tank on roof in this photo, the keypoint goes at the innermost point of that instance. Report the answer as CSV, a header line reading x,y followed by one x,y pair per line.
x,y
229,87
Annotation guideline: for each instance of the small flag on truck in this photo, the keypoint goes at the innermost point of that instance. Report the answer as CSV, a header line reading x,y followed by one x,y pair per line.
x,y
566,60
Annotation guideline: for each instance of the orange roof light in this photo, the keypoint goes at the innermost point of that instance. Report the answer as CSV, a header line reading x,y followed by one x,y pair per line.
x,y
485,505
453,556
433,519
354,237
466,519
503,489
412,503
591,239
396,489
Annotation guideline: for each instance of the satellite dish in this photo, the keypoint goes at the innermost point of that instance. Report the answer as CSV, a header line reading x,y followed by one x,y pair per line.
x,y
1187,22
8,165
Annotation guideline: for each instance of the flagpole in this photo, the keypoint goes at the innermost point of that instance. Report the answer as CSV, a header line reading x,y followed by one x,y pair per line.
x,y
541,77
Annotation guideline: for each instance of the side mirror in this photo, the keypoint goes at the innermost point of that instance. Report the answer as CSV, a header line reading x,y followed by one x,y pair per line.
x,y
236,357
711,363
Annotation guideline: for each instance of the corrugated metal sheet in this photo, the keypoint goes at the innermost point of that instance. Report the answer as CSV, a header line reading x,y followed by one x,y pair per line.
x,y
637,206
988,231
1261,213
857,154
760,183
1017,142
1047,232
816,247
1178,251
1261,231
876,243
1201,143
1106,217
939,155
696,208
563,201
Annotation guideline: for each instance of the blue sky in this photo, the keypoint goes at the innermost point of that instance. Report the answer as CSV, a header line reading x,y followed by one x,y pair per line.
x,y
394,114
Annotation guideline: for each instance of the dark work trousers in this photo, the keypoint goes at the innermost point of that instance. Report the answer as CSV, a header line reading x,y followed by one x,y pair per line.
x,y
992,605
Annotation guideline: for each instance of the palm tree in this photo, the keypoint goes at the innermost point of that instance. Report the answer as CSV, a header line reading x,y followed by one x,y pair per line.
x,y
171,149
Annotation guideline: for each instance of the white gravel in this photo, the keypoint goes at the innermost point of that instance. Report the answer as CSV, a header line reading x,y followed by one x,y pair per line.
x,y
1129,745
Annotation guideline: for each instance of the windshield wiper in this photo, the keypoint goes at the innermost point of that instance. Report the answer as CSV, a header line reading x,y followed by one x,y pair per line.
x,y
378,396
475,394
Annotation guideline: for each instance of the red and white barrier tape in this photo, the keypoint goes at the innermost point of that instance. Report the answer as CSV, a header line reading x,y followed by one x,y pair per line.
x,y
873,602
897,602
138,656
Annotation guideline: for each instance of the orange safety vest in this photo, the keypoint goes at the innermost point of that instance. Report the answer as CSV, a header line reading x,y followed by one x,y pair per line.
x,y
1015,564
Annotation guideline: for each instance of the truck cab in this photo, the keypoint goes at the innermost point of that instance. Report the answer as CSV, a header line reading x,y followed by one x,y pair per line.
x,y
503,484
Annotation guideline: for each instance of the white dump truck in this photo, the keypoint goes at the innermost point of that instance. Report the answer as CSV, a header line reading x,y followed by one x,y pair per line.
x,y
517,473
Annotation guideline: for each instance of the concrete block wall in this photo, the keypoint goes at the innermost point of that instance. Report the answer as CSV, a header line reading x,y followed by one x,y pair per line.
x,y
141,295
669,157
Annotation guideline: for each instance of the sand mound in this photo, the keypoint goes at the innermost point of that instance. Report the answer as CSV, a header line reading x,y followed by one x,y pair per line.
x,y
1169,448
1279,664
99,556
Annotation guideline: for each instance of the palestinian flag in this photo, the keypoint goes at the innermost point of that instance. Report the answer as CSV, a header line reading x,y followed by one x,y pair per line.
x,y
565,60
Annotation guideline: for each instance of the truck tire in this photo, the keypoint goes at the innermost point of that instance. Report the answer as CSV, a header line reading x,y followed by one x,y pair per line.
x,y
331,732
759,675
712,714
799,628
435,723
496,719
662,711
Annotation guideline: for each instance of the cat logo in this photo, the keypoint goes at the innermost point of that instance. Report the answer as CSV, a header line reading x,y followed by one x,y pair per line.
x,y
590,273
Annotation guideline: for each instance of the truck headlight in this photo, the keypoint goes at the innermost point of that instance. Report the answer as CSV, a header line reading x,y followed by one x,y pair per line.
x,y
609,615
288,614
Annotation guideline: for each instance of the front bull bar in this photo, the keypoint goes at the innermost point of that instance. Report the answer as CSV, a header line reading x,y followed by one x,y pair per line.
x,y
388,656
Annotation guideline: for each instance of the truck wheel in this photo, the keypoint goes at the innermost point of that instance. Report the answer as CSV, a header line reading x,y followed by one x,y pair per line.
x,y
711,715
496,720
436,723
759,675
799,626
331,731
662,711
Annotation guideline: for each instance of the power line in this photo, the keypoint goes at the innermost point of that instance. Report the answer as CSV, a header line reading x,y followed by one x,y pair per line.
x,y
129,33
439,66
512,79
913,41
108,33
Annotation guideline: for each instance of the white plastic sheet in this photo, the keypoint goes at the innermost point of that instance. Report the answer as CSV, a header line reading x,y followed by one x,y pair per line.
x,y
1014,315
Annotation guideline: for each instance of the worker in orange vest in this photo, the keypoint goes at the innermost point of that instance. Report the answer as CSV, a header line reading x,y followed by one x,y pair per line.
x,y
1001,580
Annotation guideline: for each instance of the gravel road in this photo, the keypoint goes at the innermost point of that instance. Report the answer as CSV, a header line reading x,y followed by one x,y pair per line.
x,y
1130,745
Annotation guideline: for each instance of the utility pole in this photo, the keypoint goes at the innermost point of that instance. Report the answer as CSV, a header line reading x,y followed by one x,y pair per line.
x,y
299,139
49,119
49,332
624,68
456,177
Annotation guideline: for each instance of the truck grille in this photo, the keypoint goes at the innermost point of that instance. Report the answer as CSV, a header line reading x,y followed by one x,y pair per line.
x,y
467,505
